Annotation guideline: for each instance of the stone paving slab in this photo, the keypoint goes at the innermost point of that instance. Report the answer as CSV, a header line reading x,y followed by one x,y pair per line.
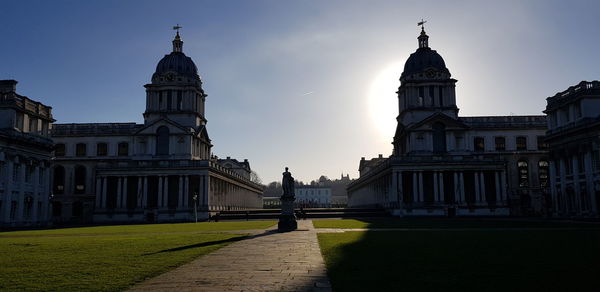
x,y
269,261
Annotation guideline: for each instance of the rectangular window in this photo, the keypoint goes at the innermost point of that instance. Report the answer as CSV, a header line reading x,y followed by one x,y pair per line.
x,y
500,143
101,149
80,149
28,173
59,150
123,149
479,144
541,143
581,163
421,92
32,125
521,143
169,100
179,100
16,172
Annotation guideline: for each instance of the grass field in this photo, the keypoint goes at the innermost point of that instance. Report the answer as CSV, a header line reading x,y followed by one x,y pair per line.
x,y
472,260
106,258
446,223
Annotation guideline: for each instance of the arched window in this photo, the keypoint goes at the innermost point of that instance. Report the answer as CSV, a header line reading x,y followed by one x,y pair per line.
x,y
101,149
58,184
523,169
543,173
439,137
79,179
123,149
162,141
479,144
59,150
80,149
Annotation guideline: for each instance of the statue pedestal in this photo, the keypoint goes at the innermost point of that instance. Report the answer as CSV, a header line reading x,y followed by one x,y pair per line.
x,y
287,219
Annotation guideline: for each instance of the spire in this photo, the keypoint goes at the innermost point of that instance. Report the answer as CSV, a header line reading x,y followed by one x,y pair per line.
x,y
177,42
423,37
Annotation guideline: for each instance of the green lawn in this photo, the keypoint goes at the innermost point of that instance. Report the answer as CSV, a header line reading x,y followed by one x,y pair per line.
x,y
474,260
446,223
106,258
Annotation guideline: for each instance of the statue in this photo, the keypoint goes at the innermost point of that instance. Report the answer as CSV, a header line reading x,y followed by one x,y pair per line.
x,y
288,184
287,219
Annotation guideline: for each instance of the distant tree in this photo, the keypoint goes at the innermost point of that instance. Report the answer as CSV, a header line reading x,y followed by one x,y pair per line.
x,y
255,178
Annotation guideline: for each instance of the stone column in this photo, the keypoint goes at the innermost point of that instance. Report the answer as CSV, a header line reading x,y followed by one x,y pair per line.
x,y
461,181
498,191
119,192
436,197
124,198
421,194
579,204
400,190
160,191
456,187
9,185
482,194
477,189
393,193
47,187
441,186
104,191
504,187
589,182
145,194
552,186
166,193
563,186
186,191
415,188
180,192
98,192
21,199
139,199
36,187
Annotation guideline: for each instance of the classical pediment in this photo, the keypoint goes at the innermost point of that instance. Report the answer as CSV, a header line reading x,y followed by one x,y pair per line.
x,y
174,128
427,123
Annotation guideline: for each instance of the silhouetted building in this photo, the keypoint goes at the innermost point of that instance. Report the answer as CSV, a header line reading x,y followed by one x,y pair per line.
x,y
443,164
25,157
574,140
155,171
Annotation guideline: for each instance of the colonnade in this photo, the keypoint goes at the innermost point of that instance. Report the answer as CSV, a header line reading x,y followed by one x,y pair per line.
x,y
25,186
573,189
185,193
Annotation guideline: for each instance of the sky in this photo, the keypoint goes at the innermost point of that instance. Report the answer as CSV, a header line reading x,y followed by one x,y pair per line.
x,y
304,84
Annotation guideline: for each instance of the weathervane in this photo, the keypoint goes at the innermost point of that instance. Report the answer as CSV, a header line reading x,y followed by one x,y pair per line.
x,y
422,23
177,27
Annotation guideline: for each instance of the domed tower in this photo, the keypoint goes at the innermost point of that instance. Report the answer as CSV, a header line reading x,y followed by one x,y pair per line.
x,y
176,90
426,88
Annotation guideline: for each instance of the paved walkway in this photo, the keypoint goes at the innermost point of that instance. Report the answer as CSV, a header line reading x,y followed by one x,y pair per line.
x,y
269,261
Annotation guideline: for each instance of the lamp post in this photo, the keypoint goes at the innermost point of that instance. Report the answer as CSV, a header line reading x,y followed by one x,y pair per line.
x,y
195,206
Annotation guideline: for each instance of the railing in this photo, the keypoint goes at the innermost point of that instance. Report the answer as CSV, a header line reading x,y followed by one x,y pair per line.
x,y
575,89
25,103
94,128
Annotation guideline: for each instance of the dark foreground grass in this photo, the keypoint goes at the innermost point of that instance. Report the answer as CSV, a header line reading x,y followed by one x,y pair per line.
x,y
483,260
444,223
108,258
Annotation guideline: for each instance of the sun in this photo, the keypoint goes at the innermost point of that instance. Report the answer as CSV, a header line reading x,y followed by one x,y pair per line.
x,y
383,103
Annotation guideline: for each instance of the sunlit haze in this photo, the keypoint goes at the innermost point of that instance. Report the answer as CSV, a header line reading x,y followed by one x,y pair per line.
x,y
304,84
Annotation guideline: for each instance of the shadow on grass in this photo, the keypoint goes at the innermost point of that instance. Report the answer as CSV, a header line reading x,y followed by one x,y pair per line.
x,y
466,260
472,223
209,243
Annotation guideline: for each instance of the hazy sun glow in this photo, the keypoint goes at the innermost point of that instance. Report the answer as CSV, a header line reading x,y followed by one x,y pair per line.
x,y
383,103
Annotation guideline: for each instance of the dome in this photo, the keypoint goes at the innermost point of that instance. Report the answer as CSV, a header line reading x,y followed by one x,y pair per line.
x,y
179,63
422,59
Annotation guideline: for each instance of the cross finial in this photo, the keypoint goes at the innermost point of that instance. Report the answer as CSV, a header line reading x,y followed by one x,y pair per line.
x,y
177,28
422,24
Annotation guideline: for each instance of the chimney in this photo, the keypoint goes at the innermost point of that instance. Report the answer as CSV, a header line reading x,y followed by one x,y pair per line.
x,y
8,86
228,157
362,158
380,155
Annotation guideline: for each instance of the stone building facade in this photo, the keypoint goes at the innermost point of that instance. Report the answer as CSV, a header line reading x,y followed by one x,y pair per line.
x,y
574,139
161,170
446,165
25,158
